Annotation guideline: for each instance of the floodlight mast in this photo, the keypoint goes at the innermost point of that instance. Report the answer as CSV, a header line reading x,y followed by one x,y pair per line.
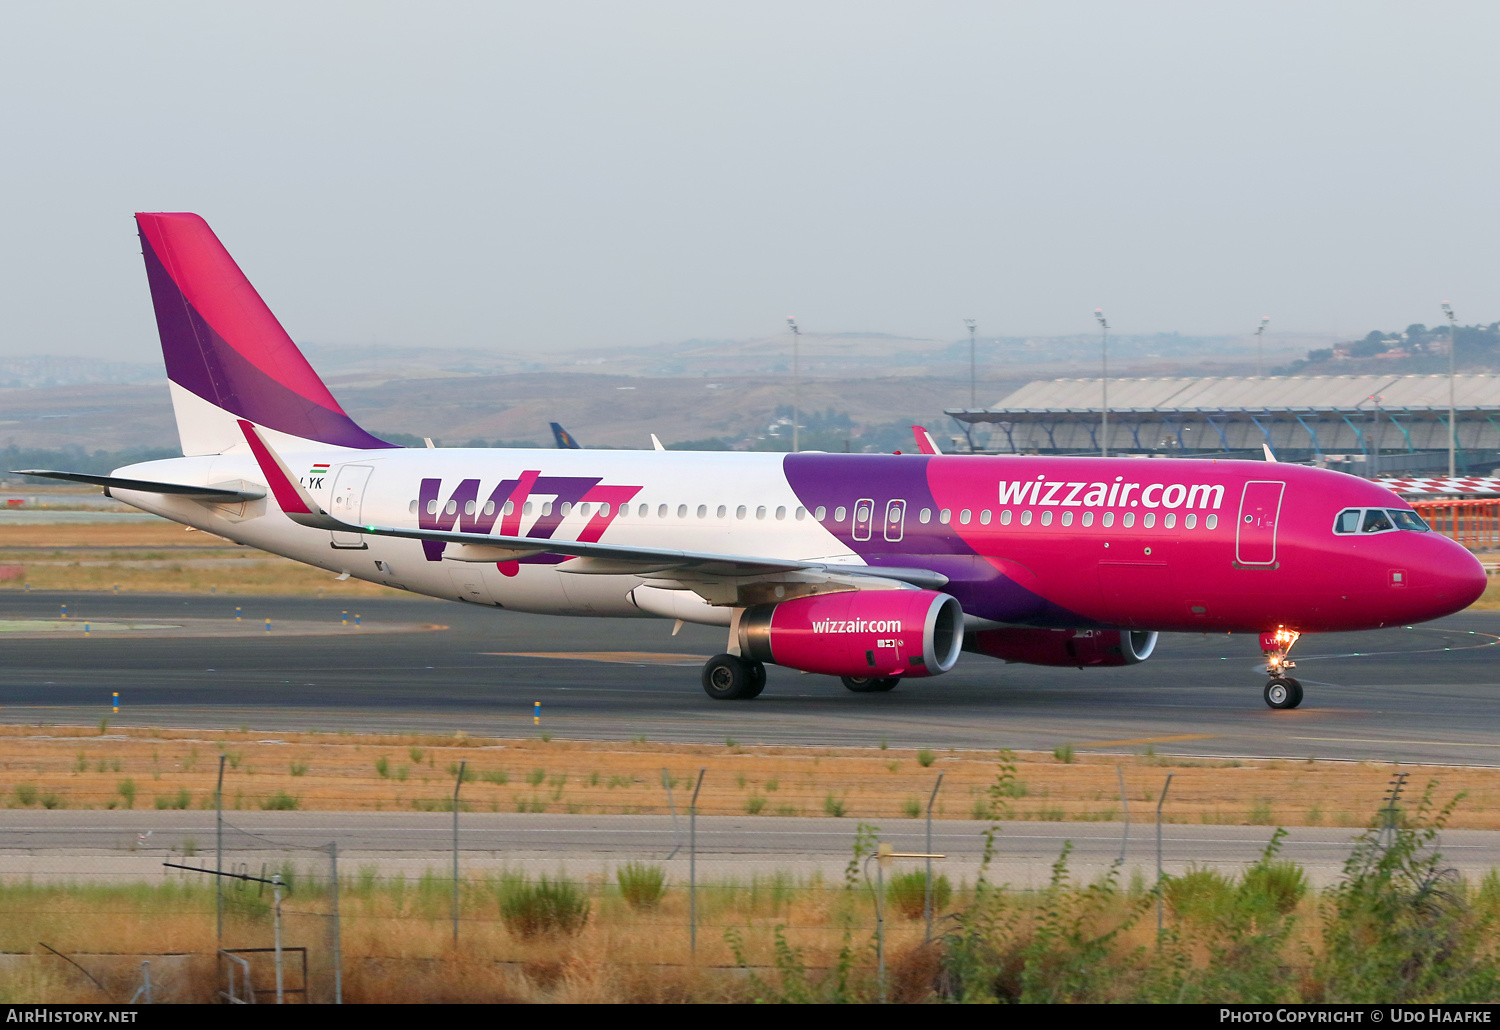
x,y
973,404
796,379
1452,407
1103,383
1259,351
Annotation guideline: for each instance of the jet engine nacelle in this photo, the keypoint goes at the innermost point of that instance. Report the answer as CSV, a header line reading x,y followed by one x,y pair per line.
x,y
867,633
1077,647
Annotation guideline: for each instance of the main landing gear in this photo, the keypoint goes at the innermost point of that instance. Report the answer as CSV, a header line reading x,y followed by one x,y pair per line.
x,y
728,677
1282,691
870,684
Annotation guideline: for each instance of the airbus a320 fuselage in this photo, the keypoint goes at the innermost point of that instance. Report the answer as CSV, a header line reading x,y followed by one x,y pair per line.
x,y
876,569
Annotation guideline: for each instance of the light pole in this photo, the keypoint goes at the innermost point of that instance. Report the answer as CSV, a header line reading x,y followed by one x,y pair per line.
x,y
1103,383
972,324
1377,426
796,378
1259,331
1452,430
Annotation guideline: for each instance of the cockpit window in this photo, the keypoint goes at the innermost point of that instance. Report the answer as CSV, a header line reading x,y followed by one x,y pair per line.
x,y
1409,520
1378,520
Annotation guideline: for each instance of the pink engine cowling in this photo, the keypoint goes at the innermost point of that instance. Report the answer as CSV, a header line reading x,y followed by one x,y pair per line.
x,y
1078,647
871,633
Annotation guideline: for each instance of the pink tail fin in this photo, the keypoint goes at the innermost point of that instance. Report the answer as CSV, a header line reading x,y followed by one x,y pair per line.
x,y
223,345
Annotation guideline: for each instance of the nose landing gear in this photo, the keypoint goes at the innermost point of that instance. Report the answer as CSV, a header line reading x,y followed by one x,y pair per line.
x,y
1282,691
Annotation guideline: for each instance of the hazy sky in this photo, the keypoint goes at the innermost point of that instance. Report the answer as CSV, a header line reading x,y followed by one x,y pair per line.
x,y
543,175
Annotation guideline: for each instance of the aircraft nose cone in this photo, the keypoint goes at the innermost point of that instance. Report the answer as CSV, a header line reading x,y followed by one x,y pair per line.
x,y
1458,576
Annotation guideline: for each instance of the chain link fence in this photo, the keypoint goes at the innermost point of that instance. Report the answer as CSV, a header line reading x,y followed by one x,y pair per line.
x,y
252,903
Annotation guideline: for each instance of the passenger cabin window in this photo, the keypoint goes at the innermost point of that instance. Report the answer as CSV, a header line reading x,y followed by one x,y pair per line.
x,y
820,512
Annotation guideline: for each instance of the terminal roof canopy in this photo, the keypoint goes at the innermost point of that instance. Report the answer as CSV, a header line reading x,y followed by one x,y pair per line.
x,y
1333,394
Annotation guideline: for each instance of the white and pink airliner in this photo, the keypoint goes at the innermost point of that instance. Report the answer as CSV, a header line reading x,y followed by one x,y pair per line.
x,y
876,569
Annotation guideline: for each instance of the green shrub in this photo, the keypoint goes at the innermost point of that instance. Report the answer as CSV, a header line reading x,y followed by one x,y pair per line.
x,y
499,776
536,777
911,808
1200,894
383,767
834,806
1276,885
26,794
907,893
180,800
126,790
281,801
641,885
755,804
925,758
416,755
1064,753
299,768
1399,928
543,908
51,801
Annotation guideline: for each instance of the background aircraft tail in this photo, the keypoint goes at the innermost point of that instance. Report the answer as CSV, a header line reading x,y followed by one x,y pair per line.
x,y
227,356
564,438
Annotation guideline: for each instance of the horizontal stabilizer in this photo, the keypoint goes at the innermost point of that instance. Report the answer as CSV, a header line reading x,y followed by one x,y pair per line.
x,y
145,486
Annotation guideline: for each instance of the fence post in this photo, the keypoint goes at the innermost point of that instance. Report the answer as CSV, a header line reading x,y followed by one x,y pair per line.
x,y
1159,803
1125,803
276,890
219,850
338,937
927,890
693,866
456,788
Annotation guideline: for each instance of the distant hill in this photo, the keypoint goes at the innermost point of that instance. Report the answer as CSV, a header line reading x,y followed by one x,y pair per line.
x,y
1418,350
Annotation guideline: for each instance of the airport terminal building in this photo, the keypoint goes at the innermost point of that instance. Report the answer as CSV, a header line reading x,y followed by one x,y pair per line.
x,y
1367,425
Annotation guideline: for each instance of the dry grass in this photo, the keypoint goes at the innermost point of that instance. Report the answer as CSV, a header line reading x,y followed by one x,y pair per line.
x,y
397,943
76,767
159,557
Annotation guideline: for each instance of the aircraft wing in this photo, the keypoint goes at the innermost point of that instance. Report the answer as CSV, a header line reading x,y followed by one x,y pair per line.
x,y
622,559
197,493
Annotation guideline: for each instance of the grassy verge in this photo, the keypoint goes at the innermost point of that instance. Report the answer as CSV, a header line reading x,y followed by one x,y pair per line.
x,y
86,767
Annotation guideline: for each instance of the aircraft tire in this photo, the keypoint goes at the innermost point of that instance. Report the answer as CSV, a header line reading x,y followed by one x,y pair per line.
x,y
863,684
1283,692
728,678
757,679
887,683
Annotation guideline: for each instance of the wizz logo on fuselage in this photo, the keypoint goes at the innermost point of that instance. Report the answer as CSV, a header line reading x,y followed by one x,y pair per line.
x,y
506,505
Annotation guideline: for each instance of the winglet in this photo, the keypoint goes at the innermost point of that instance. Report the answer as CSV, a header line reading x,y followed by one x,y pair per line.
x,y
656,444
1270,454
925,443
296,502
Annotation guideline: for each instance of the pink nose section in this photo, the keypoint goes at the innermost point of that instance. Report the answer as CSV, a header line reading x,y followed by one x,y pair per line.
x,y
1460,577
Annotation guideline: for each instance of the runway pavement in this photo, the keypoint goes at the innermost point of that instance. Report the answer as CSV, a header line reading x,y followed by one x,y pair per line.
x,y
1424,694
75,845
